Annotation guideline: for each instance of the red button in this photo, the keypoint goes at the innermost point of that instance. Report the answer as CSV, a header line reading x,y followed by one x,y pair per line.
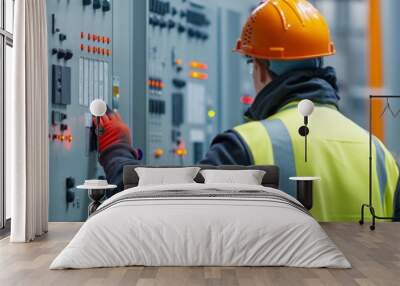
x,y
82,47
82,35
89,37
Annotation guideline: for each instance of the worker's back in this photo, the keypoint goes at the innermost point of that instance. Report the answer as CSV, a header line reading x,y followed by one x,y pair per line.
x,y
337,152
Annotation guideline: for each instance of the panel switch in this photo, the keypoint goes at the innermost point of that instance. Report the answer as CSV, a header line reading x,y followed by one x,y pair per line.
x,y
106,5
96,4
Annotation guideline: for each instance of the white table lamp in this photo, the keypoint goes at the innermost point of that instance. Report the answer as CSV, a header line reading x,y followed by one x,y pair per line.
x,y
305,108
98,108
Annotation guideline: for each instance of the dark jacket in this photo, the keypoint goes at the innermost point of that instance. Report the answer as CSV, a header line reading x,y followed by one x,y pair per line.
x,y
228,148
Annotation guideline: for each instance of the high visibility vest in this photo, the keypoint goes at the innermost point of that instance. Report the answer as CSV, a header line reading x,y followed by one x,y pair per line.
x,y
338,153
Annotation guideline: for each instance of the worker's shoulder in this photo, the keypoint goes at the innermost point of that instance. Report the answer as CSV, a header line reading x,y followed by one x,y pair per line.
x,y
248,127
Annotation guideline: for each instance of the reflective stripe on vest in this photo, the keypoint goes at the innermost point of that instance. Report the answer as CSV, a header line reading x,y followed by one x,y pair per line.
x,y
283,153
380,169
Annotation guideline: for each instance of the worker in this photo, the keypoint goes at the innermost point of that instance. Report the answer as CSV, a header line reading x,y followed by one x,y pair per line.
x,y
285,43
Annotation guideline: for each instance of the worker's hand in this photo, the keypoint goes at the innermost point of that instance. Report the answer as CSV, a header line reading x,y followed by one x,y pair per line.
x,y
115,131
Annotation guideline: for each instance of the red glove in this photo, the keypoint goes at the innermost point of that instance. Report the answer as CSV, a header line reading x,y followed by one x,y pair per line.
x,y
115,131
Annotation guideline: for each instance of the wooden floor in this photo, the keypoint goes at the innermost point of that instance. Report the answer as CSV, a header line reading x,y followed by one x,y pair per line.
x,y
375,257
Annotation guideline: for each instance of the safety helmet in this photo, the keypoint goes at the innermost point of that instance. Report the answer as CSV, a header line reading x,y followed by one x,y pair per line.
x,y
285,30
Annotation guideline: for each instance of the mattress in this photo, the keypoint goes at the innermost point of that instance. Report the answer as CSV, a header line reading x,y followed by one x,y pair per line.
x,y
201,225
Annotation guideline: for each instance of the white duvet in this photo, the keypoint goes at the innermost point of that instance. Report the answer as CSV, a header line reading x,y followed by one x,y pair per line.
x,y
200,232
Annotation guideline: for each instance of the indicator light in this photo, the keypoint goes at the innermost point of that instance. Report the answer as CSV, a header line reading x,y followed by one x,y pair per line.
x,y
198,75
158,153
211,113
178,62
82,47
247,99
82,35
198,65
181,152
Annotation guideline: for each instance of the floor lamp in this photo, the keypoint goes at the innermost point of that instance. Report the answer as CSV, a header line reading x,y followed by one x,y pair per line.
x,y
370,205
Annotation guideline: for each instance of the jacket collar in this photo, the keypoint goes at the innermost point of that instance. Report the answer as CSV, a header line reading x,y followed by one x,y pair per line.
x,y
318,85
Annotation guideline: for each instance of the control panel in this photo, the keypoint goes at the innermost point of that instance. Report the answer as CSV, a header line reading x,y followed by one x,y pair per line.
x,y
80,70
182,87
166,66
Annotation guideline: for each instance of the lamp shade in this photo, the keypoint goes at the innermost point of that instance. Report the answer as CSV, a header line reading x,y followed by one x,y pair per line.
x,y
98,108
306,107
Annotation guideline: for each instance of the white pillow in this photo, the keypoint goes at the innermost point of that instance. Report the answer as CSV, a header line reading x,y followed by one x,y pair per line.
x,y
166,176
246,177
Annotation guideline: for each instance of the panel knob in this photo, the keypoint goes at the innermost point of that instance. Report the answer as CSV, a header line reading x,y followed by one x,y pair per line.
x,y
60,54
191,33
181,28
68,55
106,6
171,24
62,37
163,24
96,4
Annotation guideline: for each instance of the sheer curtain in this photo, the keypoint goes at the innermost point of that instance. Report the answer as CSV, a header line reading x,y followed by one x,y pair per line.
x,y
28,123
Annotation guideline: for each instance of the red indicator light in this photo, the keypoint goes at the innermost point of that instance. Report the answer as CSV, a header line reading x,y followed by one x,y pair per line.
x,y
82,35
247,99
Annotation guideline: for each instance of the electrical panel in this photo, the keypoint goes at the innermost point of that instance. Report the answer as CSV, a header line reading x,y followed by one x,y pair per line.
x,y
182,69
80,70
166,66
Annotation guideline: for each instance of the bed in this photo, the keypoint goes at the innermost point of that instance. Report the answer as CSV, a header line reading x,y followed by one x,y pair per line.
x,y
197,224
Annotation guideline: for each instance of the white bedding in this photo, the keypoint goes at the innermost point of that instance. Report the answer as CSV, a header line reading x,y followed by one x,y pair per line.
x,y
206,231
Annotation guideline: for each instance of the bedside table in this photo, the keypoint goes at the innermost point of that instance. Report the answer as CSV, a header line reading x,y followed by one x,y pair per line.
x,y
305,190
96,195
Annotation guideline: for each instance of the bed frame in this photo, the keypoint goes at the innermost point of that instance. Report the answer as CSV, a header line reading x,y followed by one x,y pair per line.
x,y
271,178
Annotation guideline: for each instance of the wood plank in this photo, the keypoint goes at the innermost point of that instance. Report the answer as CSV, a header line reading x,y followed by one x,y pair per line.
x,y
375,257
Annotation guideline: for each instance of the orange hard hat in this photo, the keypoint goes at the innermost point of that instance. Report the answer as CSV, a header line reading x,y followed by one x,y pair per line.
x,y
285,30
